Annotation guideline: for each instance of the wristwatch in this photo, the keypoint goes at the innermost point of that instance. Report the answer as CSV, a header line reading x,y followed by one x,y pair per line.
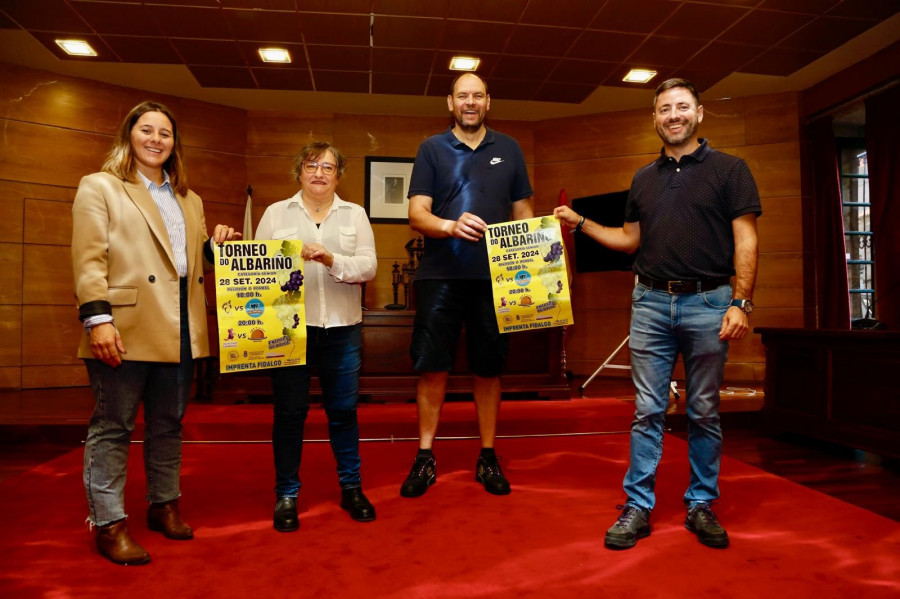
x,y
744,304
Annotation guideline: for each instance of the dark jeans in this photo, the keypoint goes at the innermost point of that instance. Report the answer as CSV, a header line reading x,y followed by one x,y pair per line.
x,y
335,354
118,392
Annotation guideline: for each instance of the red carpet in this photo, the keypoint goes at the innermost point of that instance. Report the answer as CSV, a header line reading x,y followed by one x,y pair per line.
x,y
544,540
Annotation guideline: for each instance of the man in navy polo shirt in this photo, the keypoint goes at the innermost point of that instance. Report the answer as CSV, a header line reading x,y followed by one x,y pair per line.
x,y
463,180
692,212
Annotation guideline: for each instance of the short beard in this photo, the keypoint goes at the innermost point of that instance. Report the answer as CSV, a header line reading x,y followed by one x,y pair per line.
x,y
684,136
469,128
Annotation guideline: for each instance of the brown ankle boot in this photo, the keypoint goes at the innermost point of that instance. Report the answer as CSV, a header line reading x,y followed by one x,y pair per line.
x,y
164,518
115,543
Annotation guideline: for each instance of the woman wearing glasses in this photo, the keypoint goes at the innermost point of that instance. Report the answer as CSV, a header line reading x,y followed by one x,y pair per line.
x,y
339,254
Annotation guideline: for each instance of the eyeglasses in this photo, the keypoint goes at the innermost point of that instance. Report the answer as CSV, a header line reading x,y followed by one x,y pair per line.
x,y
327,167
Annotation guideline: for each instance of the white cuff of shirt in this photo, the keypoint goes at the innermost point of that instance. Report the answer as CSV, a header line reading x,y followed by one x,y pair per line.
x,y
92,321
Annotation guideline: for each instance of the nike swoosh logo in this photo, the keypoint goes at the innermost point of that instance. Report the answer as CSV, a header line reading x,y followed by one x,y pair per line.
x,y
496,160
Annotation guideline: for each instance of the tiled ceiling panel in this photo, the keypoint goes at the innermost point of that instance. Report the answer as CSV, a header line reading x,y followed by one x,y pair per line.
x,y
780,61
232,77
340,30
120,19
191,22
263,25
701,21
560,13
210,52
765,27
813,7
825,34
542,41
546,50
405,32
343,58
143,50
475,36
665,51
507,11
391,60
603,45
633,17
280,78
582,71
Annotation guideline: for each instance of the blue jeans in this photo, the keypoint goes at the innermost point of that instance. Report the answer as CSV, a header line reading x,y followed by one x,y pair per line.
x,y
662,325
336,354
118,392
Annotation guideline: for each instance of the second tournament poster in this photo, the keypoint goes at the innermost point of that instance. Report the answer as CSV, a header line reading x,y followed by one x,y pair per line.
x,y
530,279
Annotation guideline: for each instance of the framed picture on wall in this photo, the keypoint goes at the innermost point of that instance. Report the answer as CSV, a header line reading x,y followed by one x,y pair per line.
x,y
387,183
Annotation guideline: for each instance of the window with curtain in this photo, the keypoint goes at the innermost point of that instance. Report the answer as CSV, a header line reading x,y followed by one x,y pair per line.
x,y
854,173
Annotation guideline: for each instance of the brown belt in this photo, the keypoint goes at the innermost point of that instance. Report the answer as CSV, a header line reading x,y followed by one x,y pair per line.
x,y
688,286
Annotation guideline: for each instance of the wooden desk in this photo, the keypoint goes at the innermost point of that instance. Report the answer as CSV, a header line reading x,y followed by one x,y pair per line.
x,y
536,365
841,386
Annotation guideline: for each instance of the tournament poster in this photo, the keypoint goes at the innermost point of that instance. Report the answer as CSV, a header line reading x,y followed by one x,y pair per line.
x,y
530,279
260,307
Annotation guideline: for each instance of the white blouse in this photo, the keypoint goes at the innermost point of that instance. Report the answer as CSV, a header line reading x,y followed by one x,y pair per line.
x,y
332,295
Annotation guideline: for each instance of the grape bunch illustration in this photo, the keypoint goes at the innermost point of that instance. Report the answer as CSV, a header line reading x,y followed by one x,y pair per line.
x,y
296,321
294,283
555,252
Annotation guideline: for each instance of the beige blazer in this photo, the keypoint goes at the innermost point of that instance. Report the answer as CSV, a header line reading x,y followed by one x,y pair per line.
x,y
121,255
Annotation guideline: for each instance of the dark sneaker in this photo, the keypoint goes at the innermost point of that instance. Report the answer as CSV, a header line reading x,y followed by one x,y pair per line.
x,y
422,476
633,524
703,522
488,473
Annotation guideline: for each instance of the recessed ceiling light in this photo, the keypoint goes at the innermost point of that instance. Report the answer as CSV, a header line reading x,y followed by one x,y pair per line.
x,y
274,55
76,47
639,76
464,63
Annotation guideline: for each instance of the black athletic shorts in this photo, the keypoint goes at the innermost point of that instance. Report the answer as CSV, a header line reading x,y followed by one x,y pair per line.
x,y
442,307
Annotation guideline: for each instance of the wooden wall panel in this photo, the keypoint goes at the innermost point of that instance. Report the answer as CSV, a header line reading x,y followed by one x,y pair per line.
x,y
50,335
778,280
67,102
12,212
270,178
10,273
602,290
48,278
723,123
11,335
204,125
359,135
595,136
778,228
582,178
45,154
352,185
773,118
217,213
216,176
279,133
521,131
63,375
776,167
10,377
82,105
48,222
